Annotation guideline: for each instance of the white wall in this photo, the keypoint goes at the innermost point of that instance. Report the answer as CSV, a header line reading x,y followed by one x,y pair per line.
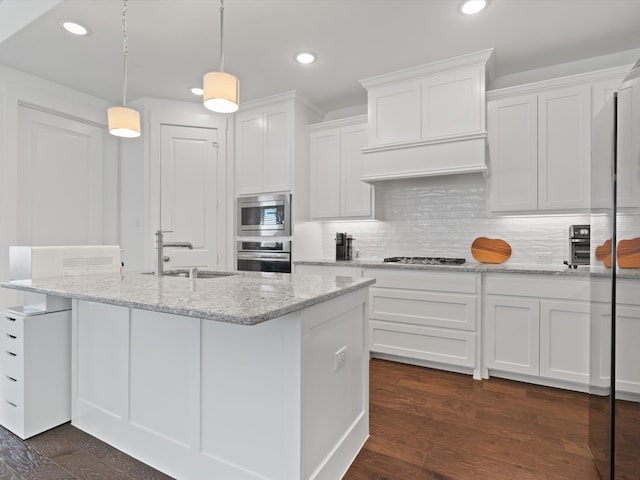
x,y
441,216
19,88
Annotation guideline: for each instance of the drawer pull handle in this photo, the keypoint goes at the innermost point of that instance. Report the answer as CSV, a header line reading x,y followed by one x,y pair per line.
x,y
10,319
12,354
11,403
11,378
13,337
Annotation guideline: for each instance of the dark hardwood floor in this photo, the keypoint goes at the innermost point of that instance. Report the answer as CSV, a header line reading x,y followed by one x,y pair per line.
x,y
425,424
429,424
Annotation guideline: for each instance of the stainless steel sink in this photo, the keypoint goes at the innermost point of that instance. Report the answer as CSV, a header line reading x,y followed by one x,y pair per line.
x,y
184,272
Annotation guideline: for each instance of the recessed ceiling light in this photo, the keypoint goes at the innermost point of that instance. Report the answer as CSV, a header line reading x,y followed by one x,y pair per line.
x,y
197,91
305,57
471,7
73,27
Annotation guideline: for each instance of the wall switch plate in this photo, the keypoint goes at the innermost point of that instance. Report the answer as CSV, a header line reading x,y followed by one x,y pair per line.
x,y
340,358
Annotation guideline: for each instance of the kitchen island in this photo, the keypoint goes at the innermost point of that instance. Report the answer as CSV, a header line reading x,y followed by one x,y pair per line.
x,y
246,376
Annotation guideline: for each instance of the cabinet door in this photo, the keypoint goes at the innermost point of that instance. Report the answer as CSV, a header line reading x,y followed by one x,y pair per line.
x,y
564,148
564,340
451,103
627,351
355,194
513,153
512,334
628,155
278,148
325,173
249,152
394,113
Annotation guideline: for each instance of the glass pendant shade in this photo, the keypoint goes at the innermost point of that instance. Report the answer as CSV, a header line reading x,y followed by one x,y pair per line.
x,y
124,122
221,92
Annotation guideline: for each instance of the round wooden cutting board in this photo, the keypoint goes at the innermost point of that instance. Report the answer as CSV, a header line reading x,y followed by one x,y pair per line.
x,y
490,250
629,253
603,253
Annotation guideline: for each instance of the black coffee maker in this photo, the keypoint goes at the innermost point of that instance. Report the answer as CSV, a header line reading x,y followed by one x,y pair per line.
x,y
344,246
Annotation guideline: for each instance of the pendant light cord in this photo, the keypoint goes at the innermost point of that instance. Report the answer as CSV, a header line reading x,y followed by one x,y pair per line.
x,y
222,35
126,51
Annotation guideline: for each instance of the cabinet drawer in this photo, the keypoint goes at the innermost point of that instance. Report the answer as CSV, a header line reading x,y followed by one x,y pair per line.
x,y
12,416
12,324
441,281
11,343
424,343
415,307
12,389
11,364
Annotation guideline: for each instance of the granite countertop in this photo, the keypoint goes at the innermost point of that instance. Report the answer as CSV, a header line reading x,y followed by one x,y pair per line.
x,y
540,269
245,298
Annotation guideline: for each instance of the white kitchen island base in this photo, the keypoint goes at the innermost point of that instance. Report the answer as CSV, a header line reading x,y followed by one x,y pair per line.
x,y
202,399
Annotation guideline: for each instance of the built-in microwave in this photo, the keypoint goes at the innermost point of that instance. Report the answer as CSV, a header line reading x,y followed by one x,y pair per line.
x,y
264,215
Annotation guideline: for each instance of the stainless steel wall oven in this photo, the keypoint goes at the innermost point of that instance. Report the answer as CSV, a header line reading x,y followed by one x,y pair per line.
x,y
264,256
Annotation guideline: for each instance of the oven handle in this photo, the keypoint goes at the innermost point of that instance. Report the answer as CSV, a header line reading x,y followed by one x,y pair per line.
x,y
276,257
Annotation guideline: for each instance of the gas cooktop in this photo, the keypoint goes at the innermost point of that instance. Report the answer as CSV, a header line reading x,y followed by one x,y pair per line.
x,y
426,260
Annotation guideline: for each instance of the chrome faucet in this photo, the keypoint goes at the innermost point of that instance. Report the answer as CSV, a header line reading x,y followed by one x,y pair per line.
x,y
160,244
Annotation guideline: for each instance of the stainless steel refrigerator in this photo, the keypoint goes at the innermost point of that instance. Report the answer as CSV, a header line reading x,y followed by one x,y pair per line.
x,y
614,400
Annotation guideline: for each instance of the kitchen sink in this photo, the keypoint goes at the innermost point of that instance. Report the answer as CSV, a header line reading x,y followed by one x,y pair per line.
x,y
184,272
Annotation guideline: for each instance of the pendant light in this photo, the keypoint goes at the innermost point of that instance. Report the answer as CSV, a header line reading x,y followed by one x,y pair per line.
x,y
221,89
124,121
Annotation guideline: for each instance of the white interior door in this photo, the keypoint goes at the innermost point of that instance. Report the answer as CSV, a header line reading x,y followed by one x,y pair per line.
x,y
189,194
60,198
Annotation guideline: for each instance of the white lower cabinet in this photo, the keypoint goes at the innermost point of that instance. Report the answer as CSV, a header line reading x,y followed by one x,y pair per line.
x,y
512,342
627,333
35,366
425,317
203,399
537,326
564,340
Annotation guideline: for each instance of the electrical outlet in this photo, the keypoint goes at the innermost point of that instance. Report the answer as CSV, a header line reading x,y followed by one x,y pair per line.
x,y
340,358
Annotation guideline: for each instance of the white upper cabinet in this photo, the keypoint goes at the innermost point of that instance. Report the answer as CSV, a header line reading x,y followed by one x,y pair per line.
x,y
428,120
564,147
394,112
336,188
540,143
325,173
452,103
513,144
264,149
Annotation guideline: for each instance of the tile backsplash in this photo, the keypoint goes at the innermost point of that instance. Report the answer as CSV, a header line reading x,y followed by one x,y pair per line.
x,y
441,216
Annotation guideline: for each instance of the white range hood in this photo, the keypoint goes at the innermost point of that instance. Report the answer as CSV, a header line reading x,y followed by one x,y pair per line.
x,y
428,120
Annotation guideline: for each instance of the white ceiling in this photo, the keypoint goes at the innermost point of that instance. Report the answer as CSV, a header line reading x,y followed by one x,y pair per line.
x,y
172,43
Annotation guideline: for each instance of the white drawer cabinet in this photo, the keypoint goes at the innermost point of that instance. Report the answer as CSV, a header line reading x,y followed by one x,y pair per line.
x,y
427,318
537,326
35,366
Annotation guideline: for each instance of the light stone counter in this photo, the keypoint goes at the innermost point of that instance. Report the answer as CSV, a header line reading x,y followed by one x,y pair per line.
x,y
540,269
245,298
